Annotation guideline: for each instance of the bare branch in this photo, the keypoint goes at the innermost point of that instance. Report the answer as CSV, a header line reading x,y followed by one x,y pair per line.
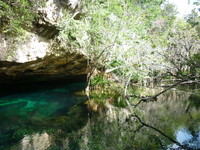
x,y
113,69
151,98
159,131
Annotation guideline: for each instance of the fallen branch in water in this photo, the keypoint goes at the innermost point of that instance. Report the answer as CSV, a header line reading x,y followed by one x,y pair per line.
x,y
154,98
159,131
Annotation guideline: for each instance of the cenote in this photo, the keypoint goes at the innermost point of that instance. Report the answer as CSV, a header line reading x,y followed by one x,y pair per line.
x,y
62,118
40,112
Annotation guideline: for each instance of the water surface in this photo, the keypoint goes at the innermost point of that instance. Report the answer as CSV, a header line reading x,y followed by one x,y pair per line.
x,y
37,112
58,118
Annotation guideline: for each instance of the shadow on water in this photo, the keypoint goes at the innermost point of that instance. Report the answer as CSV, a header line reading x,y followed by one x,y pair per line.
x,y
57,119
12,87
37,117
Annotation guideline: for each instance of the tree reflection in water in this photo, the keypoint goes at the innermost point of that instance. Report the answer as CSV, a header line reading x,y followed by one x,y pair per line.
x,y
171,122
184,136
161,128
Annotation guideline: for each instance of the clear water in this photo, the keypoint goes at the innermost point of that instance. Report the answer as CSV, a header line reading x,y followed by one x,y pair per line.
x,y
35,112
59,119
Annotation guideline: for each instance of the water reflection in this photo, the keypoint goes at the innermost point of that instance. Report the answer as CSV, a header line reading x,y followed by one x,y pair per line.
x,y
171,122
173,118
175,114
108,111
36,141
36,118
184,136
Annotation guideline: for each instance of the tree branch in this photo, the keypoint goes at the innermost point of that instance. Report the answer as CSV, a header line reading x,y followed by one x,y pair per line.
x,y
150,98
159,131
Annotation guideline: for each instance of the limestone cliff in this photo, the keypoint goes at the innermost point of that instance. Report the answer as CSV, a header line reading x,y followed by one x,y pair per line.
x,y
37,42
30,58
51,70
46,69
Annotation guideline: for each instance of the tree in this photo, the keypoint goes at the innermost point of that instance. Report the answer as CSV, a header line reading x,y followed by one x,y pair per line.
x,y
183,48
193,19
118,34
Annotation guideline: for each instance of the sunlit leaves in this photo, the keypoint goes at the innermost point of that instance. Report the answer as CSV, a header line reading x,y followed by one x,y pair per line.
x,y
129,32
16,16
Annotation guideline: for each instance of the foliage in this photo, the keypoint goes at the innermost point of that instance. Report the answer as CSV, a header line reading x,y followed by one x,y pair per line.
x,y
183,50
119,31
99,80
17,16
127,36
194,17
72,33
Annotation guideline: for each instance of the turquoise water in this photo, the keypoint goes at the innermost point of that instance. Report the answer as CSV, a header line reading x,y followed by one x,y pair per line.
x,y
36,111
59,119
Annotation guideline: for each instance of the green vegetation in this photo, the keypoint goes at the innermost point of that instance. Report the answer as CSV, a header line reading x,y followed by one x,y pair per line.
x,y
134,39
126,42
16,16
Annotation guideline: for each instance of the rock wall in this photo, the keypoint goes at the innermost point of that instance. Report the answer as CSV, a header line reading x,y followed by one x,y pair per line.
x,y
29,59
38,42
50,70
46,69
25,49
